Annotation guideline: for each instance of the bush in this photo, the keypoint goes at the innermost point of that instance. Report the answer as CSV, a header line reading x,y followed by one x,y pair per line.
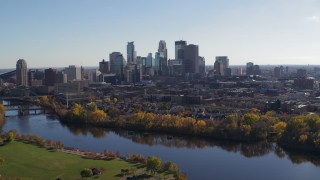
x,y
86,173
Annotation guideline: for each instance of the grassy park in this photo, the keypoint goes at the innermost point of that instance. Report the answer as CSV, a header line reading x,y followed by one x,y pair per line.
x,y
28,161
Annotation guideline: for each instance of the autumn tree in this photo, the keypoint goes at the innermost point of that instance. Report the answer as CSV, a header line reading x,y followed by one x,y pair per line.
x,y
98,115
2,109
79,112
44,100
92,106
115,100
279,127
107,100
250,118
153,164
11,136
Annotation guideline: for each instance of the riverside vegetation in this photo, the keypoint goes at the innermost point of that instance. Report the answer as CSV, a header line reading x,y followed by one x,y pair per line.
x,y
299,132
36,158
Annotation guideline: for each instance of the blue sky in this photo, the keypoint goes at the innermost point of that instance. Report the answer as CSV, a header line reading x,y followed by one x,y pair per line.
x,y
57,33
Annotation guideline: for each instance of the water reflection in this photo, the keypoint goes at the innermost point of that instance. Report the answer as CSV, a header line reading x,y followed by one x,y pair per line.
x,y
84,130
248,150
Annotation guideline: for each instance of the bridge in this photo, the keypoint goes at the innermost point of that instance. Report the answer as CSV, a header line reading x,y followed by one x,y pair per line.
x,y
26,110
7,75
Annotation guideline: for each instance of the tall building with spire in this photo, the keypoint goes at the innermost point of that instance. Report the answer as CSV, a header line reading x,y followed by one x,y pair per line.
x,y
22,73
163,58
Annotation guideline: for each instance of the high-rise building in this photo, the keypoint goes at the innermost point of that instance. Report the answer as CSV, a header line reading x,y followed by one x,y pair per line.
x,y
73,73
162,58
61,77
117,64
190,61
104,66
163,48
224,60
131,53
49,77
202,66
179,49
161,65
94,75
141,60
218,68
175,67
133,73
256,70
22,73
277,72
149,60
249,68
35,77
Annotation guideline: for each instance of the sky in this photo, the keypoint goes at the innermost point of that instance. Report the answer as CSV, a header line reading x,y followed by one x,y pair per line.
x,y
58,33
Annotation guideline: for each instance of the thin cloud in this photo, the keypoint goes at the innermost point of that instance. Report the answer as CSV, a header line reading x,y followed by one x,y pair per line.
x,y
313,18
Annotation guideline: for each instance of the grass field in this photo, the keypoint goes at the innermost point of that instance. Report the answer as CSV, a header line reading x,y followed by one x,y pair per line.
x,y
32,162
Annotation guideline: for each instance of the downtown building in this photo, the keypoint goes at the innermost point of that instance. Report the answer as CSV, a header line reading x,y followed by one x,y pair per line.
x,y
22,73
73,73
190,61
221,66
131,53
117,66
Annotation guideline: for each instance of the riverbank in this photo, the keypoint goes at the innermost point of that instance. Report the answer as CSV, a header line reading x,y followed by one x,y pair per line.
x,y
29,161
300,132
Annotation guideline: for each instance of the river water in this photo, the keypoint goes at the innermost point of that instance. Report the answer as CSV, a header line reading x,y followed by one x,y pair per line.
x,y
199,158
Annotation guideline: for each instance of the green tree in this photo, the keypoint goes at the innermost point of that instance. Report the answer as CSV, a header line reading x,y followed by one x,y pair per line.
x,y
153,164
85,173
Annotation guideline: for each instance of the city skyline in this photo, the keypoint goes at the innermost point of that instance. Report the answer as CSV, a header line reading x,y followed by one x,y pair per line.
x,y
59,33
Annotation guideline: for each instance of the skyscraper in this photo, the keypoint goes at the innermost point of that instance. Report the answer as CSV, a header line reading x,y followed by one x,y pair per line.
x,y
224,60
22,73
249,68
49,77
221,64
117,64
190,61
162,58
104,66
218,68
163,48
179,49
131,53
73,72
149,60
202,66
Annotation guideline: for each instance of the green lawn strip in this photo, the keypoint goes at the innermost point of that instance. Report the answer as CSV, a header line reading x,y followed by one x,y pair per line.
x,y
32,162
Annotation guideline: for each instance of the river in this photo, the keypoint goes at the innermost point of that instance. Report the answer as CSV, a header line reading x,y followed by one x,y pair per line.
x,y
199,158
